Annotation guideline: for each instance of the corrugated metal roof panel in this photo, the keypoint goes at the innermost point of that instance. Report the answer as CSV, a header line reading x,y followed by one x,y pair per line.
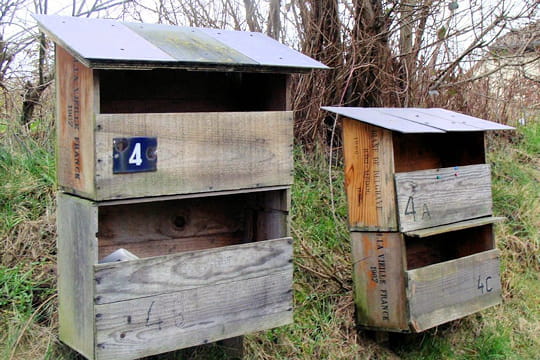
x,y
375,117
109,44
417,120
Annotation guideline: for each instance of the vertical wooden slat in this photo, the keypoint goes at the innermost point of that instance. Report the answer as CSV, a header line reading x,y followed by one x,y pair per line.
x,y
75,124
77,253
369,181
379,283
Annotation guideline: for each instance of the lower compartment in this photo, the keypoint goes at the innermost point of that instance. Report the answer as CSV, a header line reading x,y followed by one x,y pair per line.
x,y
453,289
406,283
200,270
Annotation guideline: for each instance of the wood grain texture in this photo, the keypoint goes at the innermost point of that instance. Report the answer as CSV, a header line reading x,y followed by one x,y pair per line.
x,y
430,198
75,106
156,324
198,152
164,274
166,227
450,290
369,185
379,284
77,253
467,224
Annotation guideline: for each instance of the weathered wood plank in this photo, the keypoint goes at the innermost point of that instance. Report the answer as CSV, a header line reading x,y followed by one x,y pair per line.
x,y
430,198
192,195
156,324
462,225
165,274
77,253
198,152
450,290
75,124
369,167
379,284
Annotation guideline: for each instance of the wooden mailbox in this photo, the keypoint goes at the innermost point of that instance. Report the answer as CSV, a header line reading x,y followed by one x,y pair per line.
x,y
174,144
420,216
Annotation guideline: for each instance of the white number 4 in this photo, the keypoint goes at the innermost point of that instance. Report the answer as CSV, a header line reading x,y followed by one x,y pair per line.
x,y
135,157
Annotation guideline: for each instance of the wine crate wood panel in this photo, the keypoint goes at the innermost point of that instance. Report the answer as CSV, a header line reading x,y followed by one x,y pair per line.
x,y
144,326
163,274
368,177
450,290
75,107
430,198
198,152
378,264
77,225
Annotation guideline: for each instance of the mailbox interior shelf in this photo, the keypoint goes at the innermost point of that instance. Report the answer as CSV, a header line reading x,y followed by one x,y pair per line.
x,y
208,268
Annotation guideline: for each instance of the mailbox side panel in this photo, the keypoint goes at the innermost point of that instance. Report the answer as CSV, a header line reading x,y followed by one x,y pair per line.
x,y
369,183
379,282
77,225
76,101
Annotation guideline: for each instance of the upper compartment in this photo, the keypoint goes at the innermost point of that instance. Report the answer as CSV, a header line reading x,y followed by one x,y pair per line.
x,y
408,169
156,110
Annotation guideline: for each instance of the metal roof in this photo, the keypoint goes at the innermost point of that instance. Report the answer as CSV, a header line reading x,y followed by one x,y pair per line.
x,y
104,44
417,120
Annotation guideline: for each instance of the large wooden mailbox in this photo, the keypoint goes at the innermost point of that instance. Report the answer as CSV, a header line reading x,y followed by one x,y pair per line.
x,y
174,151
420,216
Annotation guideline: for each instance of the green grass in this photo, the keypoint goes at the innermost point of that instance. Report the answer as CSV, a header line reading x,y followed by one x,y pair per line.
x,y
324,326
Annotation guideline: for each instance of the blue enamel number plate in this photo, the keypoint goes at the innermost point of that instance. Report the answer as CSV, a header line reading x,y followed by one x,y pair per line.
x,y
135,154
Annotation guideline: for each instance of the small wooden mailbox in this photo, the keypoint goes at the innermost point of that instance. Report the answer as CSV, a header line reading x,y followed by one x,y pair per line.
x,y
420,216
174,144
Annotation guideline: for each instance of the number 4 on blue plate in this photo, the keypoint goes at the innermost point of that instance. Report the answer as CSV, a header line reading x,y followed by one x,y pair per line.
x,y
135,154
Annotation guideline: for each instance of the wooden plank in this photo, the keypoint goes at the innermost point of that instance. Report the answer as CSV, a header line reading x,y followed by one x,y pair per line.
x,y
75,124
467,224
77,253
133,279
450,290
198,152
156,324
379,284
369,185
192,195
165,227
430,198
